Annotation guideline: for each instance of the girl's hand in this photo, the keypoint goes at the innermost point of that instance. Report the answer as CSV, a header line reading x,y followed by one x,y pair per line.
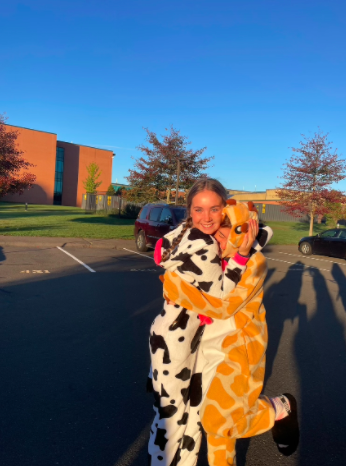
x,y
249,238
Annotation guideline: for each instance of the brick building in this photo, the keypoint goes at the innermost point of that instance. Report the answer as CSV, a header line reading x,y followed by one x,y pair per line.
x,y
60,168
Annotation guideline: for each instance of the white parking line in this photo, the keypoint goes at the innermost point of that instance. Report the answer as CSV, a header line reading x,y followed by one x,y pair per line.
x,y
298,265
133,451
312,258
77,260
134,252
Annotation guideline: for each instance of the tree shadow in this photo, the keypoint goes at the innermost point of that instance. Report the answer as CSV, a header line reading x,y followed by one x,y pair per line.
x,y
105,220
12,231
10,212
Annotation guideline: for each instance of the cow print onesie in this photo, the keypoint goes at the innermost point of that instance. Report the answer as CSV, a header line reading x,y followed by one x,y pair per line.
x,y
174,339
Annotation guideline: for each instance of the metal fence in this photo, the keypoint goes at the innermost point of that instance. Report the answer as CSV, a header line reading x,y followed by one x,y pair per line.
x,y
102,202
273,213
116,204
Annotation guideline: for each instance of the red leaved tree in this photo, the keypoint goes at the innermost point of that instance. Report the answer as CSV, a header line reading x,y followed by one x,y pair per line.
x,y
308,175
13,175
156,171
336,210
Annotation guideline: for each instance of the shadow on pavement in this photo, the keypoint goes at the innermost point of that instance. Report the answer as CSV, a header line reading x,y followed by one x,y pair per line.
x,y
340,279
74,349
74,364
2,255
320,352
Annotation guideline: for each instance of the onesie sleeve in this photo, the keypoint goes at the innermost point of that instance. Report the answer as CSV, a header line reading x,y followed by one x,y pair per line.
x,y
203,270
250,286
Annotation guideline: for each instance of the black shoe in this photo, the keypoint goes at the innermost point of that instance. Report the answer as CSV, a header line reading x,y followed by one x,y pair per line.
x,y
286,431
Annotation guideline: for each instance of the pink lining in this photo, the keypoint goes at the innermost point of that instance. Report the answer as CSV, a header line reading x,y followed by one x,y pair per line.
x,y
157,252
205,320
240,259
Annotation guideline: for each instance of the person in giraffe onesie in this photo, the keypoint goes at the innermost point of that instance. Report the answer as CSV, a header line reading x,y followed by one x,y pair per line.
x,y
232,405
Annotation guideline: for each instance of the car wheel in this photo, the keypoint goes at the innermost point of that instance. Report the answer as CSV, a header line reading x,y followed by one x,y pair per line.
x,y
306,249
141,242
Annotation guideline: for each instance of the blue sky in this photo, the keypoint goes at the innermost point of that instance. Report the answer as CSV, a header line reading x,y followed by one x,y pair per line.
x,y
244,78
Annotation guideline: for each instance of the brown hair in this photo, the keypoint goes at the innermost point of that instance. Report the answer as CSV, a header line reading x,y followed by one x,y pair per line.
x,y
203,184
226,223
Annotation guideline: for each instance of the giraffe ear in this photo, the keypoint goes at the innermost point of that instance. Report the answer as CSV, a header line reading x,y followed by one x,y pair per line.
x,y
231,202
252,207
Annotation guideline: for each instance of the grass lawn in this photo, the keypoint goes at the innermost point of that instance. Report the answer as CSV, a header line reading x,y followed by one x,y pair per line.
x,y
291,232
70,222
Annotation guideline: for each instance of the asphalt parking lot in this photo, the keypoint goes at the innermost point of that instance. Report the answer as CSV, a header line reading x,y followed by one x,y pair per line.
x,y
74,356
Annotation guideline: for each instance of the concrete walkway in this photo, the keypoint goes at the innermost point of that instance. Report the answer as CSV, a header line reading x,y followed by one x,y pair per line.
x,y
39,242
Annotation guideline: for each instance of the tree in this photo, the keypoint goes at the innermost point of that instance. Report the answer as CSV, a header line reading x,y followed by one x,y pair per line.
x,y
14,177
139,195
336,211
91,184
308,175
110,190
156,172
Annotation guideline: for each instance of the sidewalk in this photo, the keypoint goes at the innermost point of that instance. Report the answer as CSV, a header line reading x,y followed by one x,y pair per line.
x,y
42,242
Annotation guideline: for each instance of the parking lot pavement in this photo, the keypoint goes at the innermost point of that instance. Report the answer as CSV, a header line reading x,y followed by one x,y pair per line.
x,y
74,355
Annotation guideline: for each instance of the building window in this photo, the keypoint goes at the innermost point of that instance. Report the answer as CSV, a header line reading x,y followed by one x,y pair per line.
x,y
59,172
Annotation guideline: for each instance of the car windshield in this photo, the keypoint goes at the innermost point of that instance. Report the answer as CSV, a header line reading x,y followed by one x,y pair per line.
x,y
180,214
329,234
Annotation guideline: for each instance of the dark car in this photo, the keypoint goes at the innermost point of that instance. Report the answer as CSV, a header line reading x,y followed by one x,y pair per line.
x,y
329,243
154,221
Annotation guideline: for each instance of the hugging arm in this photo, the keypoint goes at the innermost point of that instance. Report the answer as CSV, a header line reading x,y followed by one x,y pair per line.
x,y
203,271
187,295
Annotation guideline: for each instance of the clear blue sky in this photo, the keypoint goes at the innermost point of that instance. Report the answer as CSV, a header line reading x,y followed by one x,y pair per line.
x,y
244,78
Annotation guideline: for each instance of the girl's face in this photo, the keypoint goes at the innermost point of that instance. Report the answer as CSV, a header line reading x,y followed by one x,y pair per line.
x,y
206,211
221,237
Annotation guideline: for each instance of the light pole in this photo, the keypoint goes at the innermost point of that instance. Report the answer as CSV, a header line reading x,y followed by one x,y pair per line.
x,y
177,185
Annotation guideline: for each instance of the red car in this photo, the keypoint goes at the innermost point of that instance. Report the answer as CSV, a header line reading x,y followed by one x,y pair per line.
x,y
154,221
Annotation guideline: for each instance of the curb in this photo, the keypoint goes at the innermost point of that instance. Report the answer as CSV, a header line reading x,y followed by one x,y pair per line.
x,y
65,244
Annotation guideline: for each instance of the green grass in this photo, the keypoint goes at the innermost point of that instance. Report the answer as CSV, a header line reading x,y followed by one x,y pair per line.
x,y
70,222
291,232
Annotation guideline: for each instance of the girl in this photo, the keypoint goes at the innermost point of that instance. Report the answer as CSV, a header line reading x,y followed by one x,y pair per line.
x,y
232,407
192,253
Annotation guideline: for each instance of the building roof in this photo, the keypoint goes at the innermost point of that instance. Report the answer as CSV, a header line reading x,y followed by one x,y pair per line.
x,y
83,145
30,129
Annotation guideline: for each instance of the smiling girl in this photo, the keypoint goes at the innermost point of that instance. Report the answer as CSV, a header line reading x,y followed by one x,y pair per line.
x,y
192,253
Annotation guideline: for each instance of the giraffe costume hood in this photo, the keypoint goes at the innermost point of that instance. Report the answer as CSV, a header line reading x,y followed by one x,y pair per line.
x,y
238,214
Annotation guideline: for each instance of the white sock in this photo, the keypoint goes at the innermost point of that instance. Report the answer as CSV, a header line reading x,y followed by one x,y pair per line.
x,y
282,407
